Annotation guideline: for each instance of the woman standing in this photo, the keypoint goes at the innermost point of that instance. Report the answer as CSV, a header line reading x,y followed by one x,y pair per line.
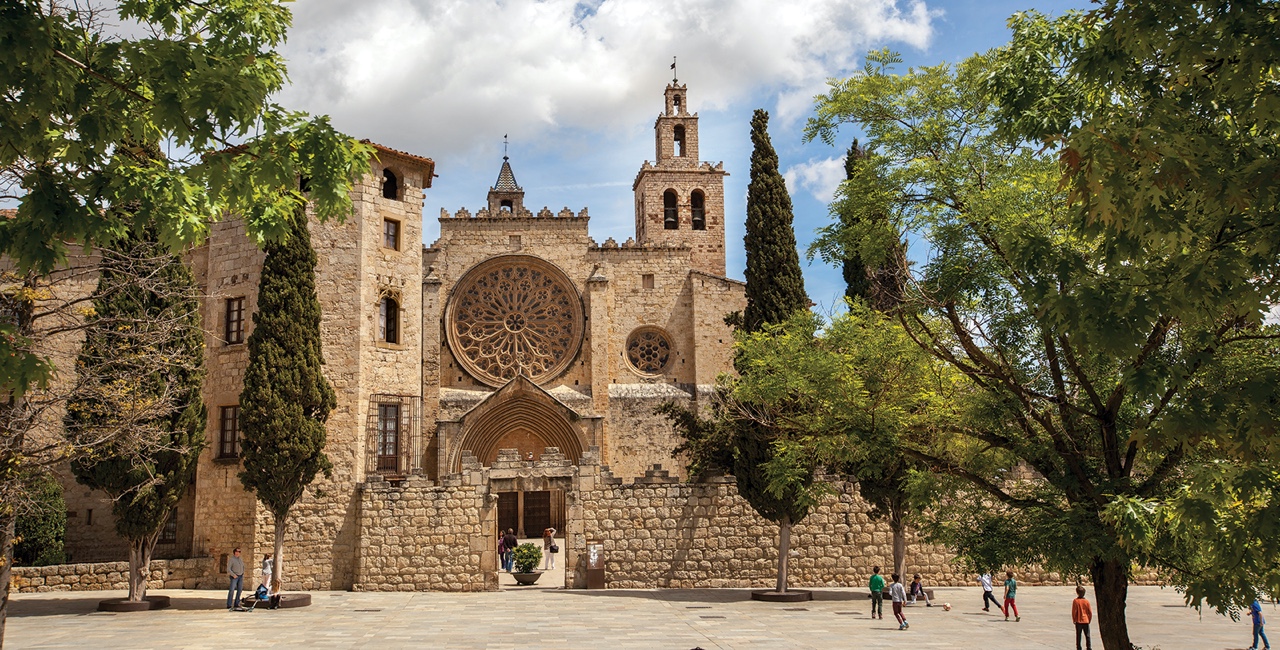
x,y
549,549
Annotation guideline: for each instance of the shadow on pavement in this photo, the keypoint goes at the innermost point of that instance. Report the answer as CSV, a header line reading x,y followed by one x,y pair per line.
x,y
81,605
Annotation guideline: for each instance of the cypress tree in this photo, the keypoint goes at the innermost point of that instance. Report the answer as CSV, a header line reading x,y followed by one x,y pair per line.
x,y
856,282
775,291
141,367
286,399
775,286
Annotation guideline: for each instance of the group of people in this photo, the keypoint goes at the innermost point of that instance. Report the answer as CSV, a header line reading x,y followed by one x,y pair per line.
x,y
266,591
507,543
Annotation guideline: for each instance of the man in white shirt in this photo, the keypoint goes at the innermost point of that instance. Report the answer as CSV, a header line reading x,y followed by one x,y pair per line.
x,y
985,579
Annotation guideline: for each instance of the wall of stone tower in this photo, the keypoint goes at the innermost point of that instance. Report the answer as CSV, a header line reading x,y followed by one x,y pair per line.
x,y
707,246
354,270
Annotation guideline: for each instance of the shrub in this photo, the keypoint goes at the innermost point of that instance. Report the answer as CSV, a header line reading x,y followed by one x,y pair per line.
x,y
527,557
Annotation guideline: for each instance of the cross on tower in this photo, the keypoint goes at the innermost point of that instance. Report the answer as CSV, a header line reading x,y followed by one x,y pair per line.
x,y
674,76
504,146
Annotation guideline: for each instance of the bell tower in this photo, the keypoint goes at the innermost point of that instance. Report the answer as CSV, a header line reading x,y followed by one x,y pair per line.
x,y
680,199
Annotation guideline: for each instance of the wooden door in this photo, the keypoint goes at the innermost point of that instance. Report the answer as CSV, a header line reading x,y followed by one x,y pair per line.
x,y
537,513
508,511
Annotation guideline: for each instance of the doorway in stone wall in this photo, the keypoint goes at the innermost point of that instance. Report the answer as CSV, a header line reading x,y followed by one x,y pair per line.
x,y
531,512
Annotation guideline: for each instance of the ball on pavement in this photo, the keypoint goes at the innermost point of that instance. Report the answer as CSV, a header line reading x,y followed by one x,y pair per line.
x,y
946,607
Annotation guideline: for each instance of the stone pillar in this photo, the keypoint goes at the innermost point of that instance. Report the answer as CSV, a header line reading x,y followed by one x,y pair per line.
x,y
598,329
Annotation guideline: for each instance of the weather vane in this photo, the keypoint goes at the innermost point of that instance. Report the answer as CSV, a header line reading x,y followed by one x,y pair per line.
x,y
504,146
674,77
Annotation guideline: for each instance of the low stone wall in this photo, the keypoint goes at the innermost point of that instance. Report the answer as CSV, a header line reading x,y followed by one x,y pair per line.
x,y
692,535
416,536
195,573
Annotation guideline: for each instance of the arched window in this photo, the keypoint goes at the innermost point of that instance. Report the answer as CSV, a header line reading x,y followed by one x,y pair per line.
x,y
679,140
506,205
390,185
697,205
389,320
676,102
670,218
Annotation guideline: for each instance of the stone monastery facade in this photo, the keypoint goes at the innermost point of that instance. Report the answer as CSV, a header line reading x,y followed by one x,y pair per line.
x,y
515,330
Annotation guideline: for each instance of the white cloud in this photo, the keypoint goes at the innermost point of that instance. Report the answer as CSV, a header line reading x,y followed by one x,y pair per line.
x,y
820,177
441,76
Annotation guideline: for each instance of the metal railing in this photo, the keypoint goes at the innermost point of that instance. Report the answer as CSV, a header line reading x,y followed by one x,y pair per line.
x,y
393,433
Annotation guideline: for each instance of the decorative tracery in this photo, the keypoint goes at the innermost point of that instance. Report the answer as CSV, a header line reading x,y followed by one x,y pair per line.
x,y
515,314
649,350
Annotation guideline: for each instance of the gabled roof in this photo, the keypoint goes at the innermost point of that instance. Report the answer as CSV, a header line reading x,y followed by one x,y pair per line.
x,y
506,179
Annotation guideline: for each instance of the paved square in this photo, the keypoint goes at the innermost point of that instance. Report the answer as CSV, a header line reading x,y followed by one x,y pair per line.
x,y
613,619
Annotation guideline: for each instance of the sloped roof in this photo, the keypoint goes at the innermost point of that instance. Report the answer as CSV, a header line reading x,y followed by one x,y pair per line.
x,y
506,179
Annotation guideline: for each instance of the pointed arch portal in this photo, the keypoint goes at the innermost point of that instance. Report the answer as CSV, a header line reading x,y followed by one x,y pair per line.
x,y
520,416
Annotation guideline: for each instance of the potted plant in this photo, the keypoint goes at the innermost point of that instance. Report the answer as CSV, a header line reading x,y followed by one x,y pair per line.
x,y
526,559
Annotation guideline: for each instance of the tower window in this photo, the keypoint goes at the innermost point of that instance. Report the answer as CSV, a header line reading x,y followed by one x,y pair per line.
x,y
697,205
679,140
670,218
676,102
506,205
390,185
389,320
391,234
234,323
229,432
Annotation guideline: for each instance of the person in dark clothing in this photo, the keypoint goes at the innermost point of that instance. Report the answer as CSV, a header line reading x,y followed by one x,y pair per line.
x,y
509,544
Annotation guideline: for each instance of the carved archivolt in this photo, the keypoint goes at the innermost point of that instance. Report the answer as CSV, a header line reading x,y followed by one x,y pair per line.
x,y
649,350
514,314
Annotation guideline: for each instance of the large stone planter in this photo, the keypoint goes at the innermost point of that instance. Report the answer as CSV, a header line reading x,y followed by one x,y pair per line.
x,y
123,605
526,578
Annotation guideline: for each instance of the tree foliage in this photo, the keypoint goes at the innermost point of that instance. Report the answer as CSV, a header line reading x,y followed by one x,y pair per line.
x,y
42,524
286,399
1092,350
775,284
82,101
141,367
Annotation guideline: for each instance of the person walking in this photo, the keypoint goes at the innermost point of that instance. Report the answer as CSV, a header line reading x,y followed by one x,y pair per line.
x,y
509,544
985,579
917,591
549,549
876,584
898,595
1082,615
235,570
1255,613
1010,595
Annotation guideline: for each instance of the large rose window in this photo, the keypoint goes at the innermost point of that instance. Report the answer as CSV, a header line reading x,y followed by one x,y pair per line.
x,y
514,314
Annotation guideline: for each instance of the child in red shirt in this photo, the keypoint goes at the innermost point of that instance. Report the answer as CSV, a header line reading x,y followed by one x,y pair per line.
x,y
1082,615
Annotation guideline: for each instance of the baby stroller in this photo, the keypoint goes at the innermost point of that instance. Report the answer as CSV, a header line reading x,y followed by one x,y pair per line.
x,y
260,595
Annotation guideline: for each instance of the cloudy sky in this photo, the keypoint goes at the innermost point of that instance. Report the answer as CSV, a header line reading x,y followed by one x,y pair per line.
x,y
577,85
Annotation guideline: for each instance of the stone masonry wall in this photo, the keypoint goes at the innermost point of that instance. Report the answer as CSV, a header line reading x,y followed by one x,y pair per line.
x,y
420,537
195,573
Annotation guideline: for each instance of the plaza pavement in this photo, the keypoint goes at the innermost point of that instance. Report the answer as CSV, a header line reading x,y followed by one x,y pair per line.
x,y
612,619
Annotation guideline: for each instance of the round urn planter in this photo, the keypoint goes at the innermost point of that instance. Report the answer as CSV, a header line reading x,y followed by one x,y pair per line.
x,y
526,578
788,596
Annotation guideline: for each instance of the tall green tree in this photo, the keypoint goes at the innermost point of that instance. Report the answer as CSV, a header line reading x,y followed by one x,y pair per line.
x,y
197,77
141,367
775,284
1093,366
286,399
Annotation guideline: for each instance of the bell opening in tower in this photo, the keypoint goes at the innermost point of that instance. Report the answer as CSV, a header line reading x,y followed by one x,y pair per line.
x,y
670,220
679,141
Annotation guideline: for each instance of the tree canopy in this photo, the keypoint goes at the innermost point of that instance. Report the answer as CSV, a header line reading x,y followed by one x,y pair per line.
x,y
84,101
1094,352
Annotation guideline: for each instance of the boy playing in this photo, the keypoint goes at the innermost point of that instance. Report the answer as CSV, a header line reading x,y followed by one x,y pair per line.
x,y
1010,593
899,595
1255,613
877,592
917,591
985,579
1082,615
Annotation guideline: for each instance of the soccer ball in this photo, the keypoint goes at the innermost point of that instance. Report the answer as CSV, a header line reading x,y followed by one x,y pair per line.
x,y
946,607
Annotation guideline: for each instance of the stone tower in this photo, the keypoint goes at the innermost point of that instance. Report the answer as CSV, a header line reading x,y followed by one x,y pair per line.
x,y
680,199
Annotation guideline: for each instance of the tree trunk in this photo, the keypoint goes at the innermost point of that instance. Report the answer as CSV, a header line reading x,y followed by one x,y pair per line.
x,y
7,530
899,543
1110,588
784,551
140,551
277,563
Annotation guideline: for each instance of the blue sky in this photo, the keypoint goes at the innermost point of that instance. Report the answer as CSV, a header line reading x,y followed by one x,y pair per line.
x,y
577,85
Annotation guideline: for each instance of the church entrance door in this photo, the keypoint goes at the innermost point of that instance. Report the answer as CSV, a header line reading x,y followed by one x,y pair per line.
x,y
531,512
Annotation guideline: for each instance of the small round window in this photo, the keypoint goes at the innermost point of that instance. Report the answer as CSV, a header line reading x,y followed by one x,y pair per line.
x,y
649,350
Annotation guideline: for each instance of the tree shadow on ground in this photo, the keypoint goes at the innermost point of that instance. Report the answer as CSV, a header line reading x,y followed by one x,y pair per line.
x,y
81,605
